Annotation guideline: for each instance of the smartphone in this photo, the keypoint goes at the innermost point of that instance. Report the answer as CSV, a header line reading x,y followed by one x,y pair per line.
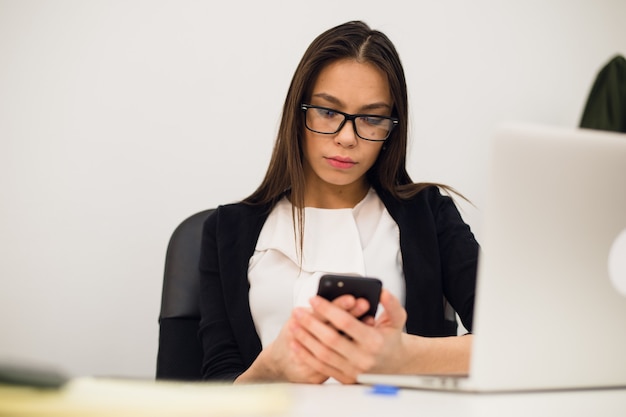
x,y
332,286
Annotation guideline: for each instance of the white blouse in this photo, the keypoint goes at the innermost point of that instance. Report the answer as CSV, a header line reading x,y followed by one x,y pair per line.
x,y
361,241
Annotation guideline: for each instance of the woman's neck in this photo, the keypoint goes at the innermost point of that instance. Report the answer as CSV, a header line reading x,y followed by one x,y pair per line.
x,y
330,196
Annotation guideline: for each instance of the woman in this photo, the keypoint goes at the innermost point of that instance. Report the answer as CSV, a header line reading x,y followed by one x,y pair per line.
x,y
337,199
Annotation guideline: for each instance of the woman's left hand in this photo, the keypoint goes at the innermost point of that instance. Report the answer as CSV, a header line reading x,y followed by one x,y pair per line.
x,y
363,346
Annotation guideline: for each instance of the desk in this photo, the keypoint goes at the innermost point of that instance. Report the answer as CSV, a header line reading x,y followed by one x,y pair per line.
x,y
97,397
357,400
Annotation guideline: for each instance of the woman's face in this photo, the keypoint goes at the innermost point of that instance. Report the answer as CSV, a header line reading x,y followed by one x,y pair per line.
x,y
342,159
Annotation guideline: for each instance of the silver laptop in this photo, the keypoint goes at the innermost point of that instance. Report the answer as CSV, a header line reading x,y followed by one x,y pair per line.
x,y
551,295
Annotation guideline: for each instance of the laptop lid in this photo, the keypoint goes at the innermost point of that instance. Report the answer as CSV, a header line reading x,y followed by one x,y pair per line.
x,y
551,295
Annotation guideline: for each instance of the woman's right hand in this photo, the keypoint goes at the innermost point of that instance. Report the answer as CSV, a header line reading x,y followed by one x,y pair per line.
x,y
279,361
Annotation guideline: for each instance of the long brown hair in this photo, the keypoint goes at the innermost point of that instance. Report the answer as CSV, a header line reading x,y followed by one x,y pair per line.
x,y
285,174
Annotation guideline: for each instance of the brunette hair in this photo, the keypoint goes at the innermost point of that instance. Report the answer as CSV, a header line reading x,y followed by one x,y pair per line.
x,y
285,174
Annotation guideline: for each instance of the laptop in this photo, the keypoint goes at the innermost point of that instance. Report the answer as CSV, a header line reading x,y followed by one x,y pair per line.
x,y
550,308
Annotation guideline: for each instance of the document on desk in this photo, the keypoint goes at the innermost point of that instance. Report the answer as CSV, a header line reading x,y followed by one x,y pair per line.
x,y
121,398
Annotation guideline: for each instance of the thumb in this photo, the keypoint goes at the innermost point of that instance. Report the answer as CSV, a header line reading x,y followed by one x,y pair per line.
x,y
394,314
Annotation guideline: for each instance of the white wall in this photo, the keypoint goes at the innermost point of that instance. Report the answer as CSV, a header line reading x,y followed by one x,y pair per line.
x,y
120,118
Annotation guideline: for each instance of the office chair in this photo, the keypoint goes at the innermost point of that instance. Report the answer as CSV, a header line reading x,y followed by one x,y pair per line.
x,y
180,351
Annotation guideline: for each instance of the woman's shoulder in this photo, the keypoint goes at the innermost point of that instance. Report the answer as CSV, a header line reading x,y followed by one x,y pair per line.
x,y
237,208
426,202
418,195
238,213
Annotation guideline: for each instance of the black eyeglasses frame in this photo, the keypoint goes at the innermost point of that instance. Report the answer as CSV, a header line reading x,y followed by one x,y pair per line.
x,y
352,117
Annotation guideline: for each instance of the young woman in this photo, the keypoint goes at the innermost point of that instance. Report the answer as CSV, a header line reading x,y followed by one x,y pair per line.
x,y
337,199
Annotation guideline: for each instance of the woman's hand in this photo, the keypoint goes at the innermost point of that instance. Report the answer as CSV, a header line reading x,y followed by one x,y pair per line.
x,y
280,361
378,347
374,346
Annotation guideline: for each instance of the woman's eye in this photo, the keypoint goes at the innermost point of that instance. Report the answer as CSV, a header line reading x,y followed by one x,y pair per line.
x,y
326,113
374,121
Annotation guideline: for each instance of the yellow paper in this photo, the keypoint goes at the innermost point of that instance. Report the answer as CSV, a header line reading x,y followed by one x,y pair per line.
x,y
86,397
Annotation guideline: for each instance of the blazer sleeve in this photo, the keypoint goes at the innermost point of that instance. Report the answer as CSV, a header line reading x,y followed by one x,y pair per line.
x,y
222,357
459,252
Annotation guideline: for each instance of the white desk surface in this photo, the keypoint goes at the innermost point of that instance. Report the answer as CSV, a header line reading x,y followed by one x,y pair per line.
x,y
358,400
120,398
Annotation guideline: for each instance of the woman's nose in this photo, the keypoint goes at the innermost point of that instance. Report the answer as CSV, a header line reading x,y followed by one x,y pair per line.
x,y
347,137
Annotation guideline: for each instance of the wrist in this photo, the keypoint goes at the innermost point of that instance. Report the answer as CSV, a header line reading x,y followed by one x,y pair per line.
x,y
411,353
449,354
263,369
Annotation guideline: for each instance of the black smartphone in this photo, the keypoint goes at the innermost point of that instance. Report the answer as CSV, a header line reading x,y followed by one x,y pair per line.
x,y
332,286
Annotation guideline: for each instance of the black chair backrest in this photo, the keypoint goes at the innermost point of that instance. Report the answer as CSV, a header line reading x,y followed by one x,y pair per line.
x,y
180,351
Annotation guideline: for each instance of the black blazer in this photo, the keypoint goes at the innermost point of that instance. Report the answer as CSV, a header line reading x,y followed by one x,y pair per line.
x,y
439,255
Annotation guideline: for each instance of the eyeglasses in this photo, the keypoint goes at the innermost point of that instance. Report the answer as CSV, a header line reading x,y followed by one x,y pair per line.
x,y
327,121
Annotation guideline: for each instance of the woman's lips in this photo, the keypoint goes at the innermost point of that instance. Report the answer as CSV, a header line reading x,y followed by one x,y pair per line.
x,y
340,162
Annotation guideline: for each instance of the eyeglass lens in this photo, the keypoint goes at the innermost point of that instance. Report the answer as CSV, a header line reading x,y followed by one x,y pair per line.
x,y
327,121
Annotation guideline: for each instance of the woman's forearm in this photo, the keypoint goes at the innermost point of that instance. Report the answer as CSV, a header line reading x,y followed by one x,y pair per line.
x,y
436,355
